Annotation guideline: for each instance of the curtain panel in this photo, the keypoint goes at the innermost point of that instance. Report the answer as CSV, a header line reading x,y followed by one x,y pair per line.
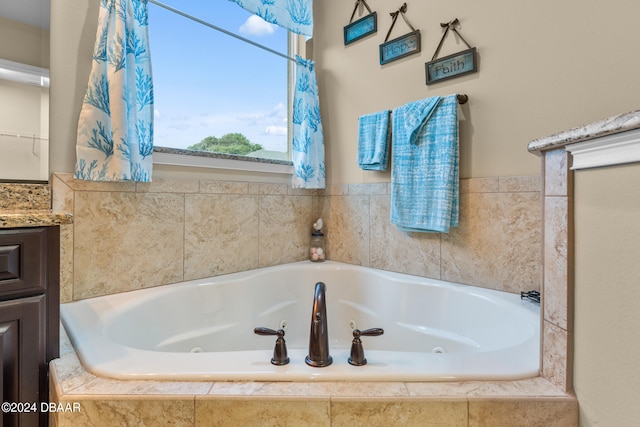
x,y
115,129
308,140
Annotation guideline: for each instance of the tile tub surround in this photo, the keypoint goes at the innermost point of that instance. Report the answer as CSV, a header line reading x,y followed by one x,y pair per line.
x,y
171,230
497,244
530,402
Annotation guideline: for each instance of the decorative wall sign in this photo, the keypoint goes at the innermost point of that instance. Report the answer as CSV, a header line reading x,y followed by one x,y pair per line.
x,y
362,27
451,66
401,46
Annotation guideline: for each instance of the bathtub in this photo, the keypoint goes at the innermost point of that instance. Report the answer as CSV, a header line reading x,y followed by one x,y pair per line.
x,y
204,329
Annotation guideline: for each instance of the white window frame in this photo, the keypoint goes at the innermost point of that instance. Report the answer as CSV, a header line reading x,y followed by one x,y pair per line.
x,y
202,161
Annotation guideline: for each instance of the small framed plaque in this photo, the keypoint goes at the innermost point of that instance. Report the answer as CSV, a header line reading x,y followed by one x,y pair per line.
x,y
451,66
361,28
400,47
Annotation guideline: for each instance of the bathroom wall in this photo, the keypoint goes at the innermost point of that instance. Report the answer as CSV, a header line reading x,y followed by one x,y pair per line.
x,y
24,108
29,45
537,59
497,244
128,236
607,291
544,67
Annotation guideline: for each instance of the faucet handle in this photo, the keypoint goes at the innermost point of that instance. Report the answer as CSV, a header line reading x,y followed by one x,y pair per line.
x,y
357,351
373,332
280,356
260,330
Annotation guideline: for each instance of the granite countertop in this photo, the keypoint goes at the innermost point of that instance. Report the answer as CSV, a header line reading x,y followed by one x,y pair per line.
x,y
18,218
28,205
608,126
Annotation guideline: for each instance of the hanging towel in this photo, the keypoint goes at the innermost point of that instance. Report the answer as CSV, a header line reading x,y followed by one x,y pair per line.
x,y
373,141
424,167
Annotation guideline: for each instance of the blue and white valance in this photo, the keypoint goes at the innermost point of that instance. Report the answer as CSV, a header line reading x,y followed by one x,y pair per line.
x,y
115,129
294,15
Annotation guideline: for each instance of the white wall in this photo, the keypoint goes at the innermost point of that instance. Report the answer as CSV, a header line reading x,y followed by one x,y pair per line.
x,y
24,120
24,109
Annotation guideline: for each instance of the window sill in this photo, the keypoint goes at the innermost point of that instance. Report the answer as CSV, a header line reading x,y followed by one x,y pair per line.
x,y
201,159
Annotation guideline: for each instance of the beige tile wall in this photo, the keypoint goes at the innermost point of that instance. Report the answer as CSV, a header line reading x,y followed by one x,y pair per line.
x,y
497,244
558,286
128,236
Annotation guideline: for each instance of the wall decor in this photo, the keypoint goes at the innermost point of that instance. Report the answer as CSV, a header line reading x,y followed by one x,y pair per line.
x,y
455,65
403,45
362,27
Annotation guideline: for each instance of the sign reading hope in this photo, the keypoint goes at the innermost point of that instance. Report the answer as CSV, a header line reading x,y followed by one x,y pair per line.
x,y
400,47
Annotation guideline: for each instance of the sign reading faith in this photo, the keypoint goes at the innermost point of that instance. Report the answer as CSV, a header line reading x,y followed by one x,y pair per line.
x,y
361,28
451,66
400,47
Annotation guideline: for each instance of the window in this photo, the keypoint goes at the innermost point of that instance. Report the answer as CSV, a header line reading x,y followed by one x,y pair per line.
x,y
214,92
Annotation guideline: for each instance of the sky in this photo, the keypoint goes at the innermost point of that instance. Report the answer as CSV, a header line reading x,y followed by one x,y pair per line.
x,y
207,83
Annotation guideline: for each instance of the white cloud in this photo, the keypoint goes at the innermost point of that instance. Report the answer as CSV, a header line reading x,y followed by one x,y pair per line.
x,y
278,114
276,130
256,26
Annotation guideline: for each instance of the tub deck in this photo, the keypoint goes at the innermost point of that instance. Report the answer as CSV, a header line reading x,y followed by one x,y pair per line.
x,y
105,401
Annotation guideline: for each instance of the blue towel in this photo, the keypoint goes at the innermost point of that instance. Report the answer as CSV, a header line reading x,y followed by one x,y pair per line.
x,y
373,141
424,167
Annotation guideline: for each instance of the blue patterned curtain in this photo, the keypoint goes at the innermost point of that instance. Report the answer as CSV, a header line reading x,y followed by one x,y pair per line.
x,y
308,142
115,129
294,15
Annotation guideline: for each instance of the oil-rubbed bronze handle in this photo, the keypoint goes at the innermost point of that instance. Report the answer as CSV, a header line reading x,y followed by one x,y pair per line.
x,y
264,331
357,351
280,350
373,332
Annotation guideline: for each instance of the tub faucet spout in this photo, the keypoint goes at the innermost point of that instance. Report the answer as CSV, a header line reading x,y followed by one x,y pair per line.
x,y
319,334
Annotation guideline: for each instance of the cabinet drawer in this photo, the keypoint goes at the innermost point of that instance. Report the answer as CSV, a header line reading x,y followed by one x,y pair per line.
x,y
22,261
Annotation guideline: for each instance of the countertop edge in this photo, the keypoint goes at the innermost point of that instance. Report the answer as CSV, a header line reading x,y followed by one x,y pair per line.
x,y
611,125
33,218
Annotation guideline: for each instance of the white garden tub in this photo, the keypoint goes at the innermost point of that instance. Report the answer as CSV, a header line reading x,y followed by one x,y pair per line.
x,y
203,329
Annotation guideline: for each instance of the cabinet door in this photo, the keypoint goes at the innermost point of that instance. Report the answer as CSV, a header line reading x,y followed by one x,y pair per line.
x,y
22,261
24,369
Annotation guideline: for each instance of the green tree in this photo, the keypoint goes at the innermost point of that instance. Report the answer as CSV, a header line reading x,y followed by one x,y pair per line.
x,y
231,143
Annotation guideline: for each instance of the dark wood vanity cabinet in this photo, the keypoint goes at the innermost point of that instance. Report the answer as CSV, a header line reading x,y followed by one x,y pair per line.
x,y
29,320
